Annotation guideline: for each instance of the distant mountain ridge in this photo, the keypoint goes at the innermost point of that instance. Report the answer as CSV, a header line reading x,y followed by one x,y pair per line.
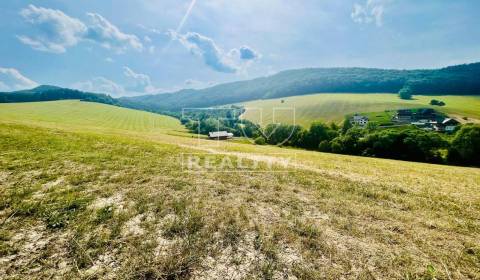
x,y
456,80
52,93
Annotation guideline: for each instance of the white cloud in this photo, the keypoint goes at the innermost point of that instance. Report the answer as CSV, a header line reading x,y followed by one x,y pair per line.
x,y
247,53
56,30
100,85
205,47
138,82
11,79
371,12
212,55
100,30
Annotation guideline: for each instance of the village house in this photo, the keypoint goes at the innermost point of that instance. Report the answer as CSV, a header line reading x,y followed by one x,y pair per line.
x,y
427,114
447,125
220,135
359,120
425,124
403,115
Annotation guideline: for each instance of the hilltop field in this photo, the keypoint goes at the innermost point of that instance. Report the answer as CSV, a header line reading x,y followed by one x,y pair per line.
x,y
92,191
334,107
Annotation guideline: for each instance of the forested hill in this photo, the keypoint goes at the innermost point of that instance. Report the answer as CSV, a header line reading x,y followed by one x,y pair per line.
x,y
51,93
460,80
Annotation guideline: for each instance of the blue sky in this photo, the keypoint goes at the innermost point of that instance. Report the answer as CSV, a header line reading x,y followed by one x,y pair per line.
x,y
151,46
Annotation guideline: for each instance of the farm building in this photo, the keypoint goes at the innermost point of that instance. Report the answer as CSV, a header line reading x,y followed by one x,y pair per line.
x,y
404,115
447,125
426,114
220,135
359,120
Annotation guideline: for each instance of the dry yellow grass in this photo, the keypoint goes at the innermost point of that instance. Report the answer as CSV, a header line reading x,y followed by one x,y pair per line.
x,y
79,202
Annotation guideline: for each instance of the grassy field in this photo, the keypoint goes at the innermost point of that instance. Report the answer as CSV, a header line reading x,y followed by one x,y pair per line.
x,y
90,199
333,107
77,114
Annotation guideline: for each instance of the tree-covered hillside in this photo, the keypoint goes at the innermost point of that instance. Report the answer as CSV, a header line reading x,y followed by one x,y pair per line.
x,y
52,93
460,80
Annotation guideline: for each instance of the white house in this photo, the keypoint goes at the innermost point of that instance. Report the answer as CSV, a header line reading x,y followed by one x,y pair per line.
x,y
359,120
448,125
220,135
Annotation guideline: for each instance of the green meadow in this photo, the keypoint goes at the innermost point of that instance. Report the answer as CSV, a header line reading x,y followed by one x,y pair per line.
x,y
91,191
89,115
334,107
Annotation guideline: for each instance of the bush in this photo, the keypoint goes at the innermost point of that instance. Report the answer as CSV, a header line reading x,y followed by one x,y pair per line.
x,y
324,146
260,141
436,102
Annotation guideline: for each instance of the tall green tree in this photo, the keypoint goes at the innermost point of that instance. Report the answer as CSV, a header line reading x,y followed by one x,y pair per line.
x,y
346,125
405,93
465,147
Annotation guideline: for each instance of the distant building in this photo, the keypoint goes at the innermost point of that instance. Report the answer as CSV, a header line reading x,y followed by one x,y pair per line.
x,y
359,120
425,124
447,125
426,114
220,135
404,115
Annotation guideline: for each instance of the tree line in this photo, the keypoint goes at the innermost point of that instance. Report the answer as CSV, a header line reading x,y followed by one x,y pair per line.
x,y
50,93
407,143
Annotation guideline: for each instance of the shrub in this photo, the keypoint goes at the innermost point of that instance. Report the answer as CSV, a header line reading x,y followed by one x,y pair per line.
x,y
324,146
260,141
436,102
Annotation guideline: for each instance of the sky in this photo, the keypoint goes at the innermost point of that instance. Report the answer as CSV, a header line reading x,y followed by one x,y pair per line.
x,y
127,47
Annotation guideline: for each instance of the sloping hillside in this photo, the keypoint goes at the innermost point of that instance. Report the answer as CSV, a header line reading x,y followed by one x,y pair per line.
x,y
75,114
457,80
91,201
334,107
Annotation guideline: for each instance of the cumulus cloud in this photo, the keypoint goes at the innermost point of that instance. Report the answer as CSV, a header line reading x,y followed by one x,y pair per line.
x,y
212,55
55,31
207,49
138,82
247,53
11,79
371,12
100,30
100,85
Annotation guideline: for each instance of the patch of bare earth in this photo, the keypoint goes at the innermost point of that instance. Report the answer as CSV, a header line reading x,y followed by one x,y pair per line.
x,y
39,252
